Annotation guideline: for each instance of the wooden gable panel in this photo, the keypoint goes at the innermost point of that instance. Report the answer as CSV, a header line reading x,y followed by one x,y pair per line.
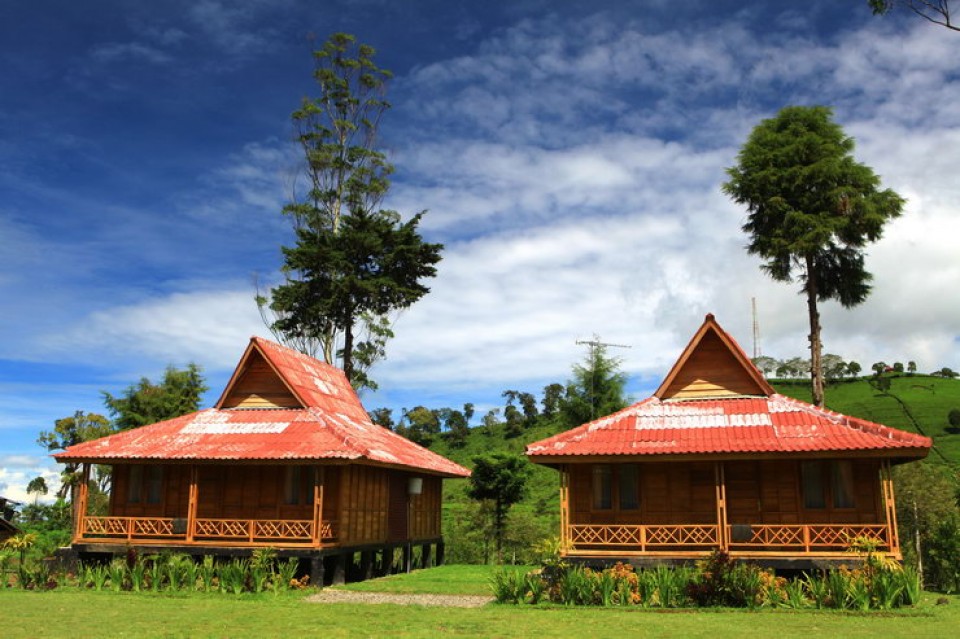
x,y
712,370
258,386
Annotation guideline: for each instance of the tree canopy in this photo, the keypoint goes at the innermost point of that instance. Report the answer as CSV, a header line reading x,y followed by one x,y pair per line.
x,y
353,263
502,479
146,402
812,208
597,388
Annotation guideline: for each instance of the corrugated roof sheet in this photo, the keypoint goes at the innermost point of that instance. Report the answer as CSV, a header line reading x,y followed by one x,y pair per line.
x,y
774,424
334,425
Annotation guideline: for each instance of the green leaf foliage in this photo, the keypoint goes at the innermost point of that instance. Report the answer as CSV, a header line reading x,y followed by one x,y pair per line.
x,y
353,264
146,402
811,210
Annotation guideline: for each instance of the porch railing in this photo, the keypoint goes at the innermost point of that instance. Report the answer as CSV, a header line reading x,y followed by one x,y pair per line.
x,y
642,538
251,531
806,537
802,538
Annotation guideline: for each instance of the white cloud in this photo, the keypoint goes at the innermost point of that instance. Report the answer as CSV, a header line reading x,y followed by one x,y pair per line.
x,y
16,471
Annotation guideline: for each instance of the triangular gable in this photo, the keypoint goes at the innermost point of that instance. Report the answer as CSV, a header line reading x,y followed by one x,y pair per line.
x,y
713,365
256,383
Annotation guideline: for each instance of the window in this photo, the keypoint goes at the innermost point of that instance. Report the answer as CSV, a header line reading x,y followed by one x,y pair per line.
x,y
145,485
602,488
629,486
811,474
135,484
298,485
827,485
842,472
154,484
616,485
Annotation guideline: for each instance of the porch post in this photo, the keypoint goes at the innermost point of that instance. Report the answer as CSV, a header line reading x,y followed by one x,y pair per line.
x,y
192,498
721,488
318,481
564,510
80,507
890,506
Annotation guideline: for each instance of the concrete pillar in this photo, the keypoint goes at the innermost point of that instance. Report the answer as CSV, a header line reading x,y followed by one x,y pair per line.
x,y
316,571
366,564
339,570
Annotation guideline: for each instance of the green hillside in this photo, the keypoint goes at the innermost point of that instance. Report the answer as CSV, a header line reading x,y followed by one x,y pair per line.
x,y
915,403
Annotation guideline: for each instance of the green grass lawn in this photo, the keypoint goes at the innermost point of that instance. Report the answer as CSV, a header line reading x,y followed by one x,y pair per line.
x,y
445,580
81,613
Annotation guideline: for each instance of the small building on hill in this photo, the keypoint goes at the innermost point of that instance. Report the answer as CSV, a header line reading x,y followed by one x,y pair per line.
x,y
287,458
7,513
717,460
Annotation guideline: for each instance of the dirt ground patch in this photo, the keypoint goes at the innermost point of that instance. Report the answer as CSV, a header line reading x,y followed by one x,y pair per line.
x,y
328,595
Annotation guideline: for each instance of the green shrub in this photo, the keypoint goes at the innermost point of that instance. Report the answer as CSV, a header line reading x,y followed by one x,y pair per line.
x,y
509,586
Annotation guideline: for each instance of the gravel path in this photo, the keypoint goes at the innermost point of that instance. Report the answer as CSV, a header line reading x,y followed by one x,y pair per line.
x,y
328,595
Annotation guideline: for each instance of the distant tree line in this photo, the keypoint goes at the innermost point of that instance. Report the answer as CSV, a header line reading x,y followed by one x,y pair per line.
x,y
836,368
595,389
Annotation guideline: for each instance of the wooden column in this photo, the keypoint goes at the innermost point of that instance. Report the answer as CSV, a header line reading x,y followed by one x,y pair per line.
x,y
564,510
318,480
80,507
890,507
720,484
192,499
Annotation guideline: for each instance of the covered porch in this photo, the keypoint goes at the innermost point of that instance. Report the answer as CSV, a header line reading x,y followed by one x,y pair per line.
x,y
784,510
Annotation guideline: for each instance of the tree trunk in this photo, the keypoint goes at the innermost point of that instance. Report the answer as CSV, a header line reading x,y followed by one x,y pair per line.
x,y
348,351
498,517
816,367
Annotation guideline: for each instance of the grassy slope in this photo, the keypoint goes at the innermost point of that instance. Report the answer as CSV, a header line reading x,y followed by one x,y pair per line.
x,y
917,403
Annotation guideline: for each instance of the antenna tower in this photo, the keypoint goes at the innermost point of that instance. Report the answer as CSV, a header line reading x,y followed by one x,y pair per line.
x,y
756,329
594,344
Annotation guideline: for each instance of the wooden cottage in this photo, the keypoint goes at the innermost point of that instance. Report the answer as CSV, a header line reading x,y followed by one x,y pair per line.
x,y
716,460
287,458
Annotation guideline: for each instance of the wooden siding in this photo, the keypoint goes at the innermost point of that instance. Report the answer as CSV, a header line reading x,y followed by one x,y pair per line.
x,y
360,504
425,510
711,371
757,492
669,493
259,386
364,498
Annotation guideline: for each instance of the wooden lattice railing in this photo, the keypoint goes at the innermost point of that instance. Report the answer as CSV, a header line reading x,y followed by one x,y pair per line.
x,y
802,538
642,537
279,531
810,537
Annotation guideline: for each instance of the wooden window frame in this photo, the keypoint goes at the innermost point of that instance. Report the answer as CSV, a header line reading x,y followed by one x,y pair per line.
x,y
145,484
829,470
614,485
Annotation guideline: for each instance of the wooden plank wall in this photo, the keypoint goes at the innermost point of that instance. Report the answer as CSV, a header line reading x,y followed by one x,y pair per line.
x,y
669,494
364,497
711,371
258,386
425,510
175,493
758,492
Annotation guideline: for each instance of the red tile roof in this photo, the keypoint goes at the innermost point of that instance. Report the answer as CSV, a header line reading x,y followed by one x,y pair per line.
x,y
725,424
774,424
332,425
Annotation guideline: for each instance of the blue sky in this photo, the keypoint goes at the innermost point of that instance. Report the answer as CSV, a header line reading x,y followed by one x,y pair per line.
x,y
569,154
